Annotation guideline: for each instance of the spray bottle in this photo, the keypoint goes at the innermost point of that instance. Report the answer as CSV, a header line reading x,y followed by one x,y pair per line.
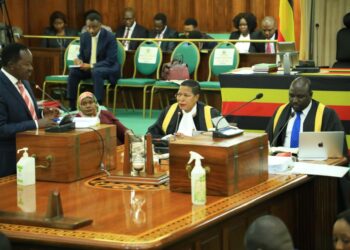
x,y
198,182
25,169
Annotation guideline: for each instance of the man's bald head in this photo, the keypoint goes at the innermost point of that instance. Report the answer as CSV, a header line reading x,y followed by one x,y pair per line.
x,y
268,25
268,233
300,93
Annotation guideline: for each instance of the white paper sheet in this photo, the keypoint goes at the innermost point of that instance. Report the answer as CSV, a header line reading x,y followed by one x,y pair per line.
x,y
318,169
148,55
73,52
223,56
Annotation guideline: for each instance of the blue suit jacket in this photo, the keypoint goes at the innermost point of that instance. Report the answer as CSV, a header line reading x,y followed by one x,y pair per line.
x,y
106,50
14,117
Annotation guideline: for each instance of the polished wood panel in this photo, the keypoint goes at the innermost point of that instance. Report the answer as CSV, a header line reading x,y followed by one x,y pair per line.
x,y
234,164
167,220
45,62
213,16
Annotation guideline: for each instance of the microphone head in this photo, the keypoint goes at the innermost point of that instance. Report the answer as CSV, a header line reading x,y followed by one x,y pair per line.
x,y
259,96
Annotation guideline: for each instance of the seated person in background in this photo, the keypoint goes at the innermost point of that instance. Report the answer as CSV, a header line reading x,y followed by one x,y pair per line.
x,y
305,110
191,24
341,231
58,27
97,59
245,23
195,34
268,233
343,41
130,29
88,107
161,30
268,32
84,28
186,115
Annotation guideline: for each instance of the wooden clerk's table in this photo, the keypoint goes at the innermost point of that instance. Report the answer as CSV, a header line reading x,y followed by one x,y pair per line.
x,y
168,220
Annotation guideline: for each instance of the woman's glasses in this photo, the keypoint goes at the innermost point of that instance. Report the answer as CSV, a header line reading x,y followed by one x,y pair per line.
x,y
185,95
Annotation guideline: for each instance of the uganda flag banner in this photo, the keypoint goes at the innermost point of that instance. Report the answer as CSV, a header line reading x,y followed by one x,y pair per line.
x,y
286,21
237,89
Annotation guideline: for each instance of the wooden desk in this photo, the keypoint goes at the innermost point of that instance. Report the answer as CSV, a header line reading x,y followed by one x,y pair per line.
x,y
169,221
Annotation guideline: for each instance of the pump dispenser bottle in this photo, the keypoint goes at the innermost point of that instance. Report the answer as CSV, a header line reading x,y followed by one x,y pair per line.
x,y
25,169
198,180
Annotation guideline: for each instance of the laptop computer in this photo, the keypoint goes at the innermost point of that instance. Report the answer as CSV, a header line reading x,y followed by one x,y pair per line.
x,y
321,145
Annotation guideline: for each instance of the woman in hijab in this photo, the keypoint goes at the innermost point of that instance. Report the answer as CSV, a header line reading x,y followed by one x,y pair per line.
x,y
88,107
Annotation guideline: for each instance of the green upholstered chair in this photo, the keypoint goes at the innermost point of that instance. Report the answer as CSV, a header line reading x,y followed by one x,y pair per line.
x,y
189,53
121,60
70,54
223,58
147,62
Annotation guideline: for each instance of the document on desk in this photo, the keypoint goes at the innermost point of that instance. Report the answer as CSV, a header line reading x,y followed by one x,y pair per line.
x,y
318,169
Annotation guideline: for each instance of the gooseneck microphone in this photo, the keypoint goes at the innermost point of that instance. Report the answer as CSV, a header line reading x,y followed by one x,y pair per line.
x,y
51,98
283,127
258,96
66,124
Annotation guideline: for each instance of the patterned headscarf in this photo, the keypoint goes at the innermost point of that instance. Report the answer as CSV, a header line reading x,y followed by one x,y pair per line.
x,y
83,96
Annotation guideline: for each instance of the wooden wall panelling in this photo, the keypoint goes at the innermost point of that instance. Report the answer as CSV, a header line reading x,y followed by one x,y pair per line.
x,y
40,12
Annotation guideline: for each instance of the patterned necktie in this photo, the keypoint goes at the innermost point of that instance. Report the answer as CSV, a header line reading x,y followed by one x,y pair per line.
x,y
268,48
125,42
294,139
27,100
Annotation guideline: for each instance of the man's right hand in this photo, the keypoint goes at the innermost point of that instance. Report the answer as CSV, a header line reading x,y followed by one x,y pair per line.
x,y
46,122
77,61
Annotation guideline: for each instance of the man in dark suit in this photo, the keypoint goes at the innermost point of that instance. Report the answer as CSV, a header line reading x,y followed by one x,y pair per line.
x,y
18,108
131,29
191,24
161,30
97,59
268,32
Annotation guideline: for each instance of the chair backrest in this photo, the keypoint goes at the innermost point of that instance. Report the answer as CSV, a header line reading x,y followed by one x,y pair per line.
x,y
148,58
189,54
71,53
121,56
223,58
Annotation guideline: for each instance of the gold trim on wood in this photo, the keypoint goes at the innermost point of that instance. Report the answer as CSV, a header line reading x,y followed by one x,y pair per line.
x,y
225,206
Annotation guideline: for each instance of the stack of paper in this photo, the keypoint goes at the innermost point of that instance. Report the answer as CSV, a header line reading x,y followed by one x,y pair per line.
x,y
265,67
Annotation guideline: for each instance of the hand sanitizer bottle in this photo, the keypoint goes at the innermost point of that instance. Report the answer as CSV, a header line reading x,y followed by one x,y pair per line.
x,y
25,169
198,180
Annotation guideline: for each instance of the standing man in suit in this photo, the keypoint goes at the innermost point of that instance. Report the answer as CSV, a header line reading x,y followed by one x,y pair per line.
x,y
97,60
131,29
268,32
161,30
18,108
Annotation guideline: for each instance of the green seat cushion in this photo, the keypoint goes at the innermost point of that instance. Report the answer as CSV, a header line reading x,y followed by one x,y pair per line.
x,y
210,85
135,81
167,84
56,78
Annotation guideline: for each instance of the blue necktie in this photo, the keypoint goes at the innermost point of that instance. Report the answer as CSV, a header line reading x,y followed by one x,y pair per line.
x,y
294,140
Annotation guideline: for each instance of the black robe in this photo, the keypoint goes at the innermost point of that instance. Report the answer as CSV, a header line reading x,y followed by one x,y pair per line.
x,y
199,121
330,122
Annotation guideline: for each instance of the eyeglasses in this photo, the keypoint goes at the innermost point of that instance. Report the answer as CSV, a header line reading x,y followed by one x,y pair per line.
x,y
179,95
